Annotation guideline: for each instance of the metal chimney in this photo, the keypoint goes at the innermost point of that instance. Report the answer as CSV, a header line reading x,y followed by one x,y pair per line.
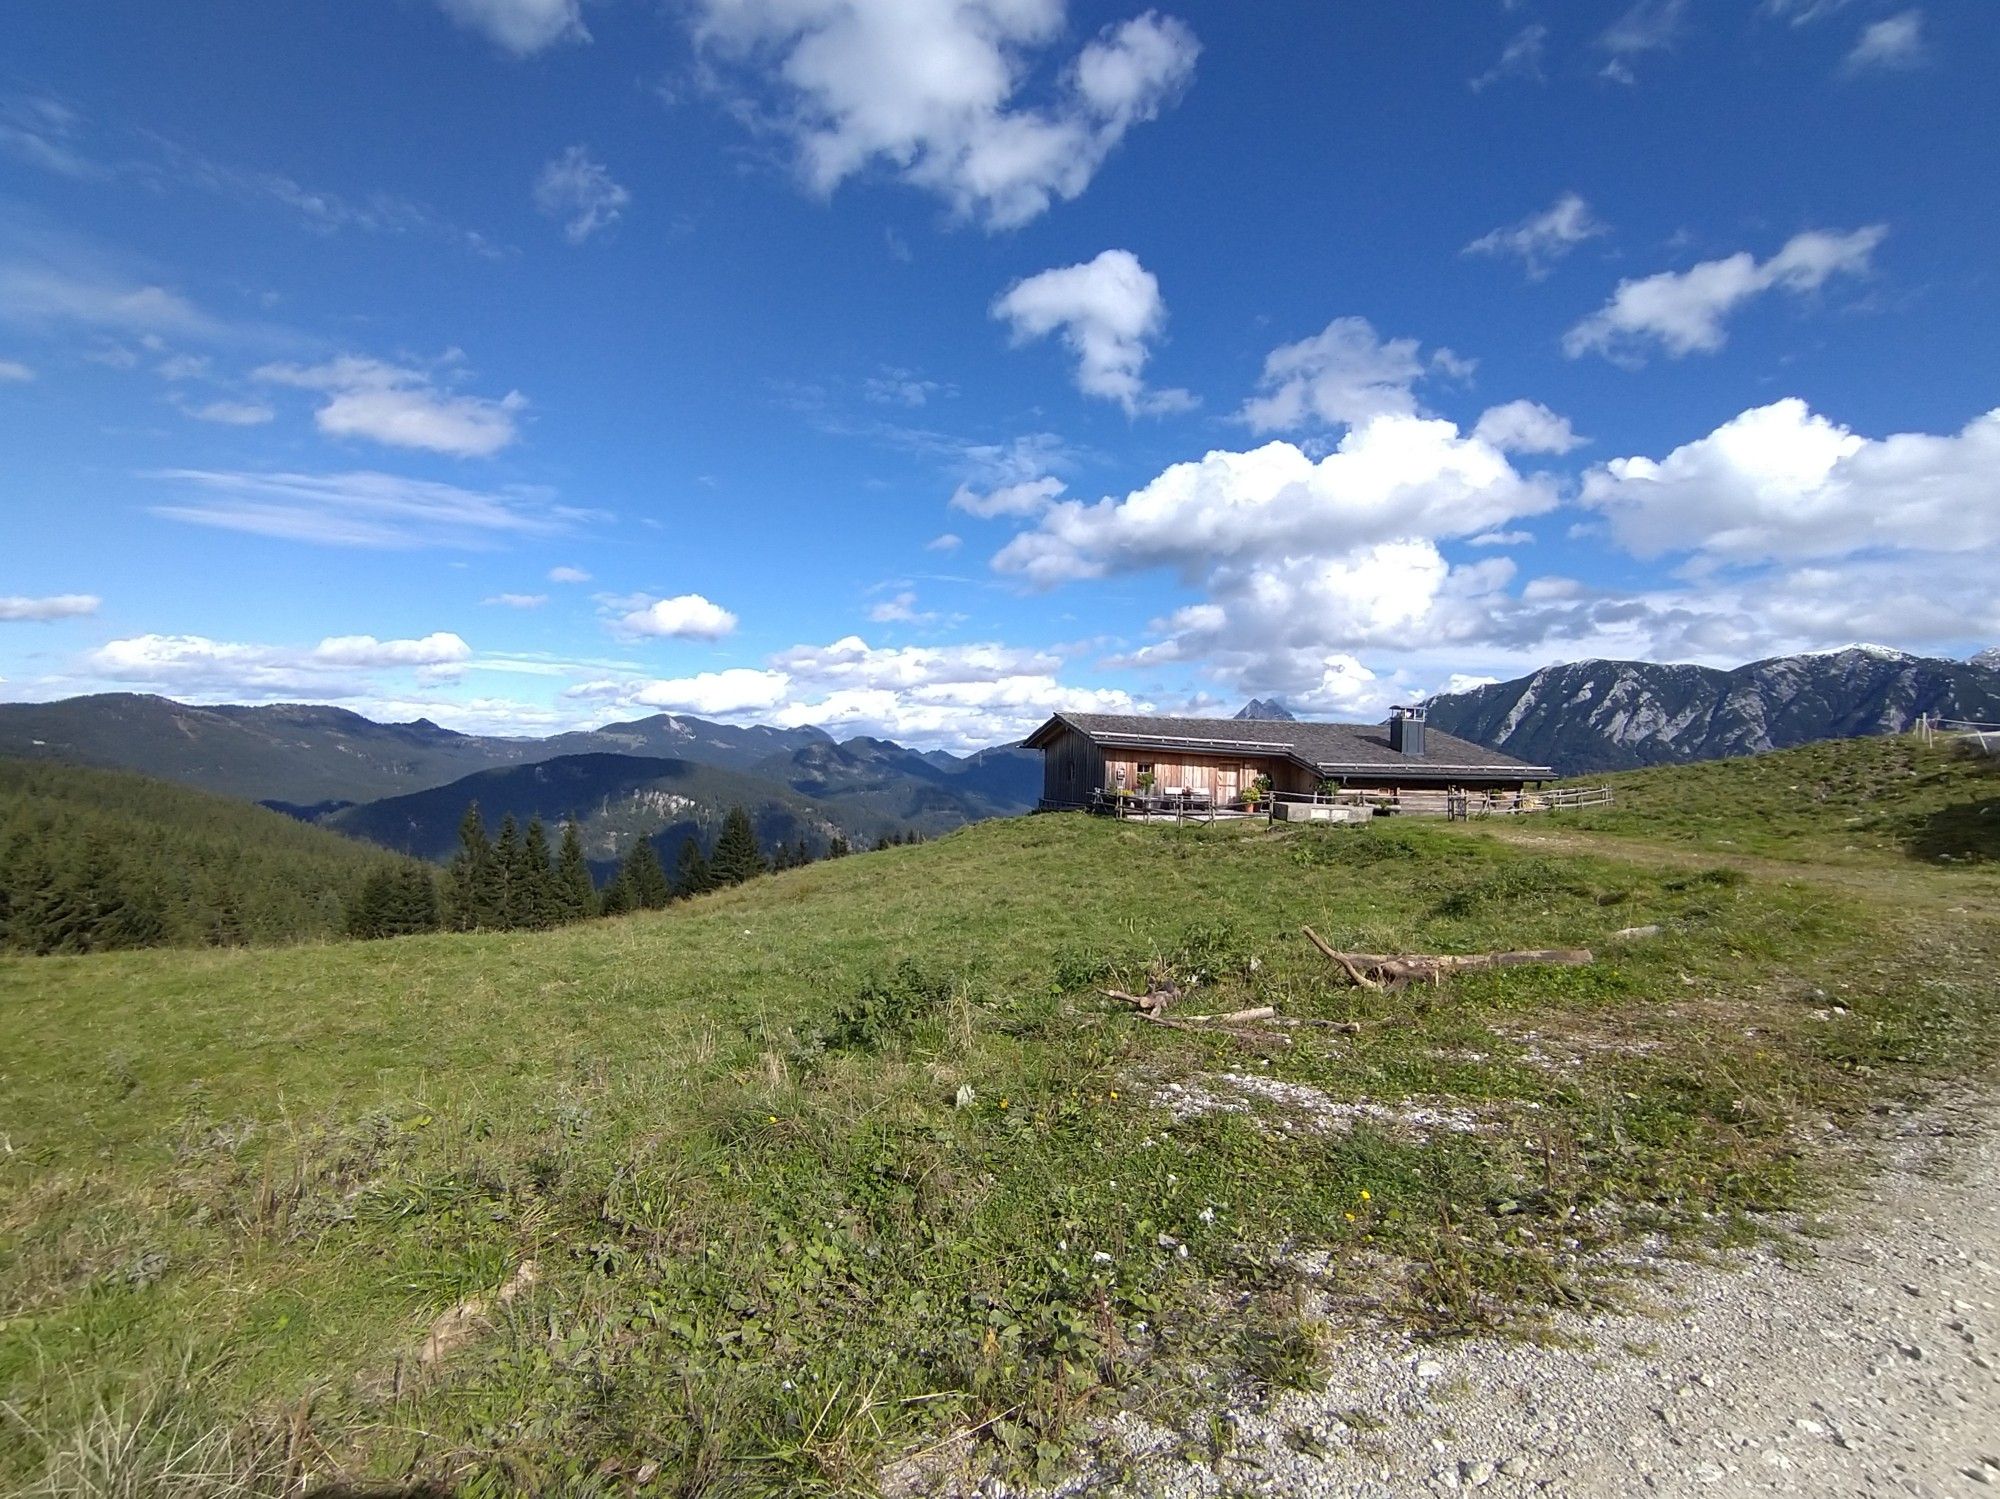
x,y
1406,730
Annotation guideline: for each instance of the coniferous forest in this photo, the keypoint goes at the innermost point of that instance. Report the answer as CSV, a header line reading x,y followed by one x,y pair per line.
x,y
96,860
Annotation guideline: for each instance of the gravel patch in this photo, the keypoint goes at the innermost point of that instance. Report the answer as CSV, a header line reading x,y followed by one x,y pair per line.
x,y
1864,1363
1240,1093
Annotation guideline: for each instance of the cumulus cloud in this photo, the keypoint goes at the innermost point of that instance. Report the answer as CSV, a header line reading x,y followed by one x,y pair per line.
x,y
1029,497
363,508
932,92
960,697
520,26
1106,312
945,542
1891,45
337,666
52,606
687,616
567,574
1541,239
1684,312
1780,482
401,406
1342,376
577,191
1525,427
1391,477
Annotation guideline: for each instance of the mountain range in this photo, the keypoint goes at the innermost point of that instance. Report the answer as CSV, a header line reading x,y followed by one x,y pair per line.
x,y
670,777
1592,716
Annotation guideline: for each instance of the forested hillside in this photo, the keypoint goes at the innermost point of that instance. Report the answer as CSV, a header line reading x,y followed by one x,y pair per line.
x,y
99,859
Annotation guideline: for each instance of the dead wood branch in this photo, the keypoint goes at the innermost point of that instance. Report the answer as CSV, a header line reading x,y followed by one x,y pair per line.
x,y
1394,970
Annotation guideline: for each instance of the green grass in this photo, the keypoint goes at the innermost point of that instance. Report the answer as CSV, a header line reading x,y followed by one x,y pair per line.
x,y
1832,801
772,1252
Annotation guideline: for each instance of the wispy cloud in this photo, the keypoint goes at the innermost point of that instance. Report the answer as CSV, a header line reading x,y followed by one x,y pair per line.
x,y
364,509
1541,239
1893,45
403,406
578,192
1520,58
521,27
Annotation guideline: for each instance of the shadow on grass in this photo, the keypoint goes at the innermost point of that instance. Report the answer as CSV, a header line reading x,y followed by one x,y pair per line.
x,y
1968,833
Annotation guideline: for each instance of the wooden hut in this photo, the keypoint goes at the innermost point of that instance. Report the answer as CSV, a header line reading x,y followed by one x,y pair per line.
x,y
1088,758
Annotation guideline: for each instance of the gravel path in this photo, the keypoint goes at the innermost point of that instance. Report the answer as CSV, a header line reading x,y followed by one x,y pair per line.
x,y
1867,1368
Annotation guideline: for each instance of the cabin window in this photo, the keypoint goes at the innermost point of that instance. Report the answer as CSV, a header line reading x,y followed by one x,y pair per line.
x,y
1145,767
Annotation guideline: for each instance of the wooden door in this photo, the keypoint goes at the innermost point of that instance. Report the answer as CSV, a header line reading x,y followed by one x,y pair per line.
x,y
1226,786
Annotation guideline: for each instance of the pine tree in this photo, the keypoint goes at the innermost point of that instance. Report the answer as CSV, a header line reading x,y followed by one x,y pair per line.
x,y
395,902
534,880
575,893
692,876
617,898
503,873
836,846
736,857
802,853
644,877
469,885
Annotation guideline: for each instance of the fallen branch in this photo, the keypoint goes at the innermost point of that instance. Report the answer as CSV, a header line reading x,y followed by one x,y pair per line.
x,y
1235,1033
1393,970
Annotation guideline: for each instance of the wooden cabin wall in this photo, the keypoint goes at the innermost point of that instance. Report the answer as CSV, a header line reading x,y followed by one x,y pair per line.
x,y
1218,775
1072,770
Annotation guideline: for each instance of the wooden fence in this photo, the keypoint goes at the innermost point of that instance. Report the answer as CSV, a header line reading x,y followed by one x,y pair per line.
x,y
1982,736
1457,806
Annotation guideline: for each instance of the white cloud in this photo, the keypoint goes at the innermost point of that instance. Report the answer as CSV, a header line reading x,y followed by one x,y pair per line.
x,y
1684,311
1892,45
54,606
1394,477
13,372
520,26
1029,497
1779,482
931,91
688,616
1525,427
961,697
1500,539
578,191
945,542
1520,58
400,406
567,574
1542,238
232,413
1106,310
336,667
363,509
517,600
1647,26
39,295
901,609
1343,375
899,387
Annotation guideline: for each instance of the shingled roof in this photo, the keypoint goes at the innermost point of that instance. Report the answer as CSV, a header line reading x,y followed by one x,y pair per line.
x,y
1329,748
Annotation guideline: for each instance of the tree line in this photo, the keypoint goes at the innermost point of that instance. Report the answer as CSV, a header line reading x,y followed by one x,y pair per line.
x,y
513,883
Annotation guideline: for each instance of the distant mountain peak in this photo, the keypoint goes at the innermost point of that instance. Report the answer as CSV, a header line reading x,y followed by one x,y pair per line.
x,y
1988,658
1263,708
1863,648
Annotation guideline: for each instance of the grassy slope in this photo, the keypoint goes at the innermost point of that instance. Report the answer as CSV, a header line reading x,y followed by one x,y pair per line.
x,y
239,1186
213,867
1837,801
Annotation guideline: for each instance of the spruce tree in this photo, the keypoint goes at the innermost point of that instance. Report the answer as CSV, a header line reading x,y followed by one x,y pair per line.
x,y
836,846
736,857
644,877
617,898
504,871
692,876
534,880
469,885
575,893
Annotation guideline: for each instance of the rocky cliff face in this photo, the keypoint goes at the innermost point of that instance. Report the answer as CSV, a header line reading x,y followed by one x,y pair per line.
x,y
1619,715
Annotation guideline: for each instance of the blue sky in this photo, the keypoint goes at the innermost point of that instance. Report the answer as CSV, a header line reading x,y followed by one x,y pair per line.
x,y
920,366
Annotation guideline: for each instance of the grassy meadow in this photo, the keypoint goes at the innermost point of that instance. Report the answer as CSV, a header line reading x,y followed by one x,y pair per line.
x,y
856,1164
